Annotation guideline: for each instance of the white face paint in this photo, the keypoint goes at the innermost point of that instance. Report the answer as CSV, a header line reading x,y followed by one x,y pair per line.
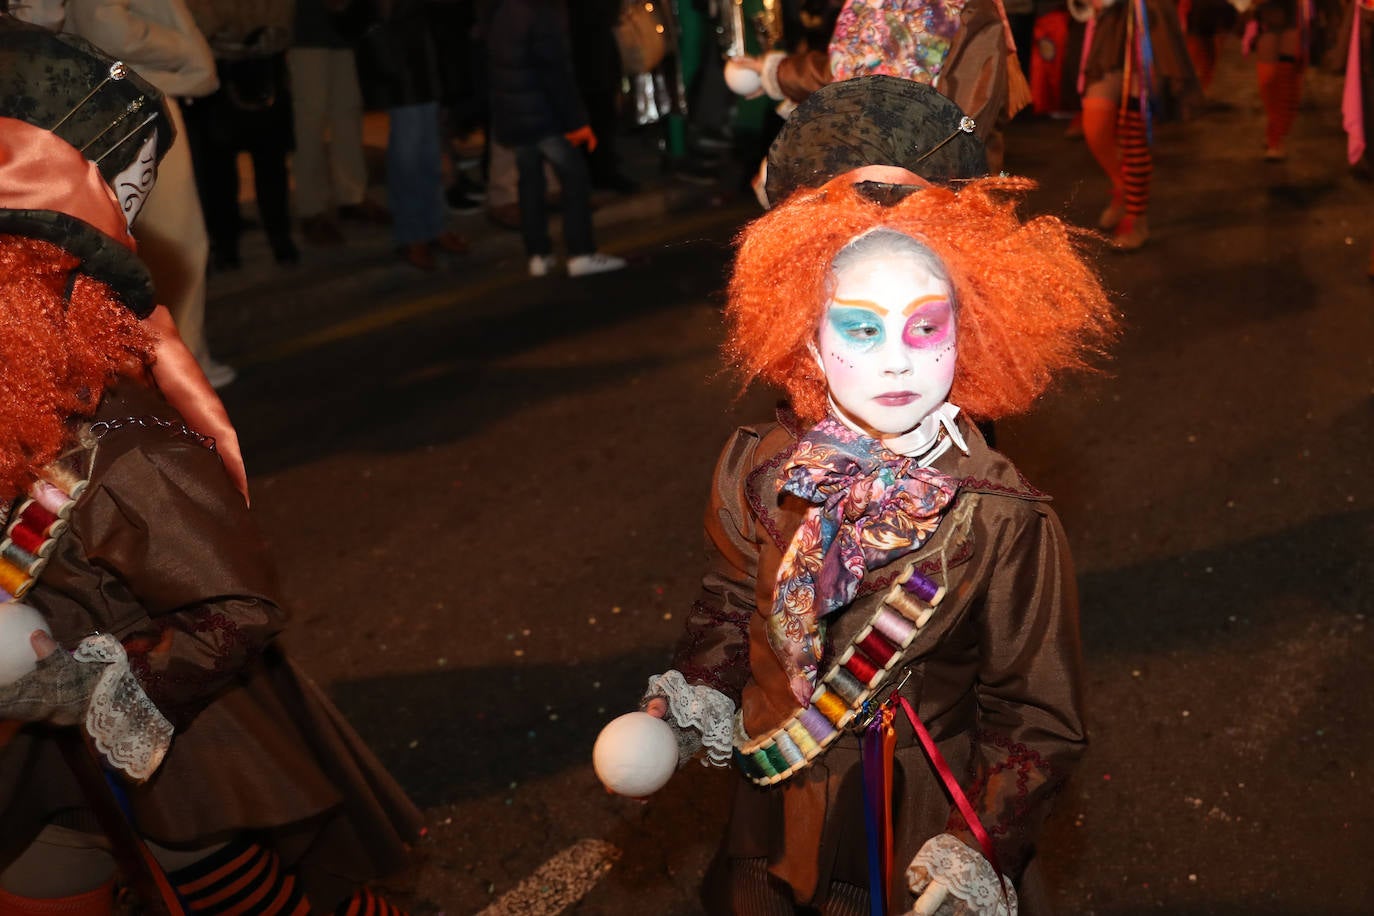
x,y
133,185
888,342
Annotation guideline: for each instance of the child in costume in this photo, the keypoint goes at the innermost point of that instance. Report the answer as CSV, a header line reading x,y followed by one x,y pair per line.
x,y
162,728
34,84
889,620
1279,34
1133,50
963,48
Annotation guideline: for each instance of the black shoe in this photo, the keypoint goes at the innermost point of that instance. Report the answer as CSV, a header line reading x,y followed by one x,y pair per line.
x,y
465,186
618,183
365,211
286,252
461,203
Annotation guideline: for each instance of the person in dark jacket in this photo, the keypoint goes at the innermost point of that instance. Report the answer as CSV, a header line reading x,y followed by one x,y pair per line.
x,y
537,110
399,66
250,111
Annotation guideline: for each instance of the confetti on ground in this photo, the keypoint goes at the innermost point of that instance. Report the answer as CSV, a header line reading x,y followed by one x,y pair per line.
x,y
558,883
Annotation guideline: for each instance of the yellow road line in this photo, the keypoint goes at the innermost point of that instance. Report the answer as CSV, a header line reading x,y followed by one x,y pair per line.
x,y
678,226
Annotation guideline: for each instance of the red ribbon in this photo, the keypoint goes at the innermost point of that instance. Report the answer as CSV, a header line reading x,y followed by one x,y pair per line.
x,y
956,792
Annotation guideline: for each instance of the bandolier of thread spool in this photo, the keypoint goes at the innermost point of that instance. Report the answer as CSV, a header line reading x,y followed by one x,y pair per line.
x,y
36,523
856,675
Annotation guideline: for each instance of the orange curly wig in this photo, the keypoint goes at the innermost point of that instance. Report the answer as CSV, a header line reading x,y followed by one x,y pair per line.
x,y
1028,304
64,338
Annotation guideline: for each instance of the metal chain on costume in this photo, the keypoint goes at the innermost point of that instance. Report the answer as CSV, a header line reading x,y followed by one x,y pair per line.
x,y
176,428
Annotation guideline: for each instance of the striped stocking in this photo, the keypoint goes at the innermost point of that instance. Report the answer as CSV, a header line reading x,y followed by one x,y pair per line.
x,y
1137,165
98,902
242,879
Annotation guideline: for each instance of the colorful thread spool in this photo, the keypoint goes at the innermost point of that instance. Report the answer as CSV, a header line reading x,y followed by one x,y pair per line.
x,y
50,498
816,724
863,670
803,738
876,648
37,517
19,557
27,539
831,706
12,580
763,764
923,587
775,756
845,684
746,764
790,752
894,626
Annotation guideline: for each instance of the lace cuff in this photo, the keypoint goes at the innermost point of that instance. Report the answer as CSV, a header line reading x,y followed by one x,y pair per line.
x,y
768,75
702,717
128,730
974,889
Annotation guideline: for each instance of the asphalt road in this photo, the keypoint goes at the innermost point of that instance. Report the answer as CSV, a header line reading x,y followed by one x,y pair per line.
x,y
485,494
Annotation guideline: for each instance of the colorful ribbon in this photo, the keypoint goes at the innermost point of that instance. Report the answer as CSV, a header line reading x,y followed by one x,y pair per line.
x,y
1352,100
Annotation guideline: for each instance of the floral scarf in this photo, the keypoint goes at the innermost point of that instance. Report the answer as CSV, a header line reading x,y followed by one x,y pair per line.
x,y
872,506
905,38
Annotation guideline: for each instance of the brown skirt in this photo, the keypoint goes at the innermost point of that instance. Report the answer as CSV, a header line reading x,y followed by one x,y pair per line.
x,y
271,756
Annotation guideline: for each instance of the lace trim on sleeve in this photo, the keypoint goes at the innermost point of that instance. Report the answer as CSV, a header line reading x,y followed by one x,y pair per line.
x,y
965,873
704,714
127,729
769,75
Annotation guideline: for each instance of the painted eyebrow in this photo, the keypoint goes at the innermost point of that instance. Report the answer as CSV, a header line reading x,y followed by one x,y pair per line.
x,y
862,303
915,304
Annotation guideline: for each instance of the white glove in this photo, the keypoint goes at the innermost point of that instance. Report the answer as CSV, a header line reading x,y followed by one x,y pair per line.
x,y
951,879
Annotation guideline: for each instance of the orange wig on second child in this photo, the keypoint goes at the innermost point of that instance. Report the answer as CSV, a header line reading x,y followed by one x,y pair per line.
x,y
1028,304
64,339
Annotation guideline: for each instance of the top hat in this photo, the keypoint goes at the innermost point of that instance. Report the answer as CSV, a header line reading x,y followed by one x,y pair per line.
x,y
873,120
81,135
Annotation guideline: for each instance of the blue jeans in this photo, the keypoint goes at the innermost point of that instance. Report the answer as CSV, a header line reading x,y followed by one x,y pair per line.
x,y
414,180
571,168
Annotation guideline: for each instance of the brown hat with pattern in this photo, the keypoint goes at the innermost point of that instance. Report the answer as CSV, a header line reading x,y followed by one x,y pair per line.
x,y
873,120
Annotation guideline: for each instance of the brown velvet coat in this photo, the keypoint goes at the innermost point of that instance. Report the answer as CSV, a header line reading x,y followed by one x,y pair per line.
x,y
994,674
162,553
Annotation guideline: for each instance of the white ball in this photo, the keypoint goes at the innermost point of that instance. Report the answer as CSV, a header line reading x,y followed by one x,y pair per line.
x,y
741,80
635,754
17,622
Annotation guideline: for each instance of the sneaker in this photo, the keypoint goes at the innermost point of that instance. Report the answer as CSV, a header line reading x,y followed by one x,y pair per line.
x,y
542,264
218,374
595,263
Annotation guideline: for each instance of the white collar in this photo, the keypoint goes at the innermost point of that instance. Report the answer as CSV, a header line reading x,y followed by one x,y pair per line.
x,y
930,439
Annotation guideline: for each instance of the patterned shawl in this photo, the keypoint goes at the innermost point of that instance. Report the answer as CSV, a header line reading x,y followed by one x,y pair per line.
x,y
871,507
